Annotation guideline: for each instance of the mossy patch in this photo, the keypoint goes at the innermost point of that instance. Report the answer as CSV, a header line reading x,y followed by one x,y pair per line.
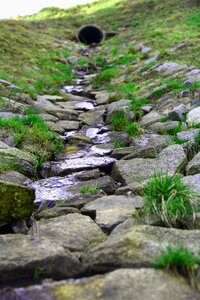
x,y
91,290
16,201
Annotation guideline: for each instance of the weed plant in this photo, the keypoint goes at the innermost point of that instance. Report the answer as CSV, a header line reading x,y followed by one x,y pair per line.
x,y
181,261
119,144
89,189
31,130
119,121
170,199
133,129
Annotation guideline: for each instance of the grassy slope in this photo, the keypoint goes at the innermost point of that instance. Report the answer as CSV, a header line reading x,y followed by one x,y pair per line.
x,y
33,48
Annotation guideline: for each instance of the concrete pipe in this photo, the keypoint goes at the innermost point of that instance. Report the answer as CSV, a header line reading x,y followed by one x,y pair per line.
x,y
90,34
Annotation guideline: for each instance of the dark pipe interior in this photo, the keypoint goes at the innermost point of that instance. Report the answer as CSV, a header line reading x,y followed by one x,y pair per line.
x,y
90,34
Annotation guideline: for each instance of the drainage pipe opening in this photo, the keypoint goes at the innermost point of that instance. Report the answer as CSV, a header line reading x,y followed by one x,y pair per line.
x,y
90,34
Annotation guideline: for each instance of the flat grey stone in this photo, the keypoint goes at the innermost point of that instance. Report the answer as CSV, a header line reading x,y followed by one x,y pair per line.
x,y
74,231
170,160
111,210
77,164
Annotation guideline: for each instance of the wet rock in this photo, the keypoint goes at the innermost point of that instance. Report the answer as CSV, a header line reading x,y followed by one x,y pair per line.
x,y
74,231
77,164
193,166
83,105
193,117
102,149
138,246
87,175
110,210
178,112
52,189
16,201
104,183
117,285
22,255
14,177
79,200
170,160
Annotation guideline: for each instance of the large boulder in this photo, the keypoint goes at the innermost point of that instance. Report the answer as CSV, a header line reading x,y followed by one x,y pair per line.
x,y
138,247
52,248
16,201
74,231
21,256
120,284
170,160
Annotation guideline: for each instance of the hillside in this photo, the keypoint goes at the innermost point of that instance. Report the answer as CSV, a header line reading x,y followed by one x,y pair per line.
x,y
100,153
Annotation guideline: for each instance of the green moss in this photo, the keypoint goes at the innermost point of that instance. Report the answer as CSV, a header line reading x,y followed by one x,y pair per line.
x,y
16,202
71,291
30,132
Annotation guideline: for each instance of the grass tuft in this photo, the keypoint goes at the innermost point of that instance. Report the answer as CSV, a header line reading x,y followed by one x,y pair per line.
x,y
90,189
171,200
181,261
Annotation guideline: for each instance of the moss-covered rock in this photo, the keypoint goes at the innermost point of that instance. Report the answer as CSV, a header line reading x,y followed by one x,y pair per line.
x,y
16,201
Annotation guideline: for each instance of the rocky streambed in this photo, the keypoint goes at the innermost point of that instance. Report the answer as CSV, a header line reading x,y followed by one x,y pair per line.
x,y
84,240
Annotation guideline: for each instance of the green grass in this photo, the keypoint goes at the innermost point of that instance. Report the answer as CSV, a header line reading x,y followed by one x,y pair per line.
x,y
119,121
136,106
180,261
9,165
104,77
119,144
90,189
170,199
30,132
133,129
